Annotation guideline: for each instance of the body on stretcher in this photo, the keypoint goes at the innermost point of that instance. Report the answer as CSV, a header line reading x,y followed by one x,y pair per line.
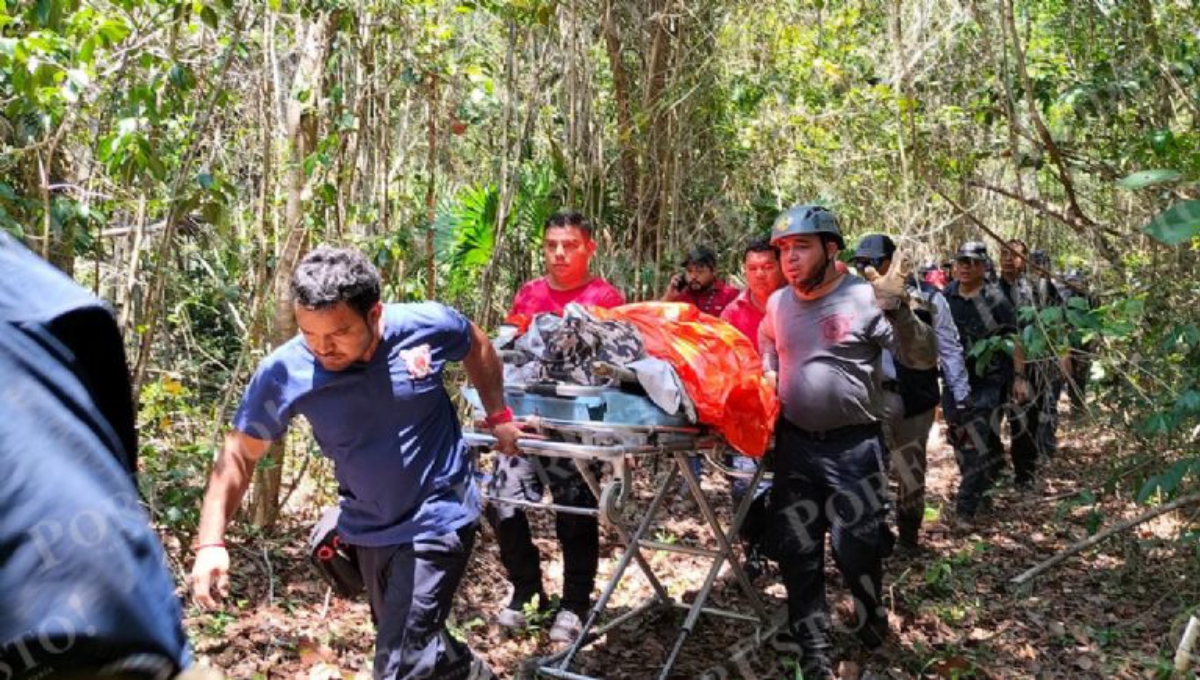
x,y
610,425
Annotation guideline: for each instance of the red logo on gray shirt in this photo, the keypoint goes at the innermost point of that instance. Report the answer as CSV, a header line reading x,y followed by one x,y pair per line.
x,y
835,327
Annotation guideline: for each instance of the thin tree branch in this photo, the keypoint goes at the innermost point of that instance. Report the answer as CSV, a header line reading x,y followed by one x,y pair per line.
x,y
173,216
1091,541
1046,138
1037,204
1004,245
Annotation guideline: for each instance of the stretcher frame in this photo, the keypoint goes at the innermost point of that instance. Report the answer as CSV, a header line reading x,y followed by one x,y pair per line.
x,y
618,445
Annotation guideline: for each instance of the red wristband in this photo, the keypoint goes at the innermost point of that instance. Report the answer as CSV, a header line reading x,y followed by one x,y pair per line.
x,y
499,417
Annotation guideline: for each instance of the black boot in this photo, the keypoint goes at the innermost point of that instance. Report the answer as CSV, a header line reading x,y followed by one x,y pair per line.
x,y
755,565
812,642
874,632
909,529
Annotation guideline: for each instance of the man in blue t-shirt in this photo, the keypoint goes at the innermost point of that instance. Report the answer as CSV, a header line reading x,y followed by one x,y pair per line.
x,y
368,378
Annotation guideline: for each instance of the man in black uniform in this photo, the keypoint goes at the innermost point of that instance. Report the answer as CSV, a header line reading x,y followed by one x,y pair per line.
x,y
982,312
1055,367
1032,387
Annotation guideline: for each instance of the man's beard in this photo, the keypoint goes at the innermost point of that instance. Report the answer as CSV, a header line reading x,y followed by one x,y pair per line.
x,y
809,284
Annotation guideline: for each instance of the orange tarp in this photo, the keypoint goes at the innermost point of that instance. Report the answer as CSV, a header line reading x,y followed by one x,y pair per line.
x,y
720,369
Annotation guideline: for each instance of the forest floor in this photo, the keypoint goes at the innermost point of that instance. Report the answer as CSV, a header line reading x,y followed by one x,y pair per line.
x,y
1113,611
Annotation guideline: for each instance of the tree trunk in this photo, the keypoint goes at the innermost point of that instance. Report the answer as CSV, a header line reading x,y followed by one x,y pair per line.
x,y
625,131
302,138
657,145
431,192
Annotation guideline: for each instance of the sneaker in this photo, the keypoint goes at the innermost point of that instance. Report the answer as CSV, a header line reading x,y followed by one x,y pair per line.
x,y
512,618
566,628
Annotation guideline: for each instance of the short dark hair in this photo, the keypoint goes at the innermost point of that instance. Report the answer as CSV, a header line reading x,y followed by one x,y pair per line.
x,y
328,275
760,245
1013,243
568,219
700,256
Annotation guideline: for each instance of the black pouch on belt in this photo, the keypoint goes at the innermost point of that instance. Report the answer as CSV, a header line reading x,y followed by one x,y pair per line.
x,y
334,559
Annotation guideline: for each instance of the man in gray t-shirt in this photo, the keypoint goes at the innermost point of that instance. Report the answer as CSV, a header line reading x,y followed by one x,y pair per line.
x,y
823,337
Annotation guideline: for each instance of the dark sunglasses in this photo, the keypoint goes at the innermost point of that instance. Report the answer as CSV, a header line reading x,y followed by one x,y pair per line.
x,y
968,261
864,262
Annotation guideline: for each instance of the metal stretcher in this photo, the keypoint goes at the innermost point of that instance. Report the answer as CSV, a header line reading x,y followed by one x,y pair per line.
x,y
613,426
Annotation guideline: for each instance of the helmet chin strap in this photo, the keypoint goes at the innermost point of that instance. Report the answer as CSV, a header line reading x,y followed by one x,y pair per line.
x,y
810,284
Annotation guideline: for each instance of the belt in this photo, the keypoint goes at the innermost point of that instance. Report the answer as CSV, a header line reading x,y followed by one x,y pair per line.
x,y
891,385
844,432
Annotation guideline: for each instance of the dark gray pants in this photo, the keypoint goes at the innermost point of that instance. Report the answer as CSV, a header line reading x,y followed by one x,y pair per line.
x,y
410,587
977,446
907,439
830,483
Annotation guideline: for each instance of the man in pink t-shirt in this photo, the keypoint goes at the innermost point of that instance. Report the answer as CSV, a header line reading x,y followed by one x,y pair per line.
x,y
760,266
568,248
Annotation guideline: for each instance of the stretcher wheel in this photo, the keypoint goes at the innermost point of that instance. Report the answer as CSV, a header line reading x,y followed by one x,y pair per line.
x,y
612,501
614,496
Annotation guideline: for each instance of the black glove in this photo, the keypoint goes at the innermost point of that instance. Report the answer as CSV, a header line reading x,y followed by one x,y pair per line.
x,y
959,412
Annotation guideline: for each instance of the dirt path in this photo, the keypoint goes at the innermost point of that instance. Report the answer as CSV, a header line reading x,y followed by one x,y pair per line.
x,y
1116,611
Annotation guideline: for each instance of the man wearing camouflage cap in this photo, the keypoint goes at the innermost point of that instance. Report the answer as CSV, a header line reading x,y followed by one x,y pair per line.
x,y
822,341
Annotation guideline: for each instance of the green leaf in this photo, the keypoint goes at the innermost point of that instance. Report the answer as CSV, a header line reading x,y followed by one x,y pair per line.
x,y
1156,424
1145,178
181,77
209,16
1188,402
1177,224
113,31
156,167
87,50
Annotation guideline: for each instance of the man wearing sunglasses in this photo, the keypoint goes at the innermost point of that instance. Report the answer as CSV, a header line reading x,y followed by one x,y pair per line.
x,y
911,395
982,312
